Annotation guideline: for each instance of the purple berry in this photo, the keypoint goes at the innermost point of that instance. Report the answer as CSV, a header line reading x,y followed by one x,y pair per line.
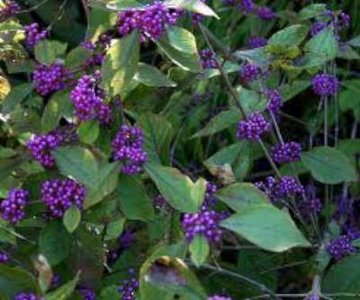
x,y
252,128
208,59
41,146
88,100
128,287
265,13
247,6
34,35
13,206
210,199
52,78
59,195
275,101
151,21
317,27
26,296
205,222
126,239
288,152
4,258
340,247
325,84
10,9
217,297
249,72
128,148
87,293
284,187
256,42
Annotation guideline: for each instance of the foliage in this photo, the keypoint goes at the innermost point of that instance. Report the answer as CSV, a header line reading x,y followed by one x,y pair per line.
x,y
179,150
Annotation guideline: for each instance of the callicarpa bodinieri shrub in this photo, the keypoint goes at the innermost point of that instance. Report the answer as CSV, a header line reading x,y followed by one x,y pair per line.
x,y
203,150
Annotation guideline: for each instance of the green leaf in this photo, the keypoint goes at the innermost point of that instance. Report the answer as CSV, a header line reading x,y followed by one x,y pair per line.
x,y
188,62
100,21
289,91
46,52
321,48
289,36
114,229
58,106
88,131
328,165
14,280
120,63
16,95
135,203
178,189
87,254
72,218
151,76
109,293
77,57
199,249
267,227
347,52
196,6
243,195
7,152
257,56
182,39
220,122
123,4
65,291
78,163
236,155
343,277
158,133
355,42
106,181
312,10
54,243
155,284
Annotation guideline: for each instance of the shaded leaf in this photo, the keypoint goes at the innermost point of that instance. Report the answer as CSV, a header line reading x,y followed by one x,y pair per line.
x,y
46,52
135,203
267,227
178,189
88,131
65,291
328,165
72,218
151,76
199,249
289,36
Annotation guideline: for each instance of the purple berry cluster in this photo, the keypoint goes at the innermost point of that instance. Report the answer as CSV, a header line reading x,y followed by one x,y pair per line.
x,y
151,21
284,187
10,9
249,72
265,12
208,59
129,286
34,34
52,78
128,148
87,293
210,199
126,239
252,128
205,222
256,42
339,21
325,84
275,101
59,195
287,152
4,258
26,296
245,6
13,206
217,297
340,247
160,203
310,206
41,146
88,100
